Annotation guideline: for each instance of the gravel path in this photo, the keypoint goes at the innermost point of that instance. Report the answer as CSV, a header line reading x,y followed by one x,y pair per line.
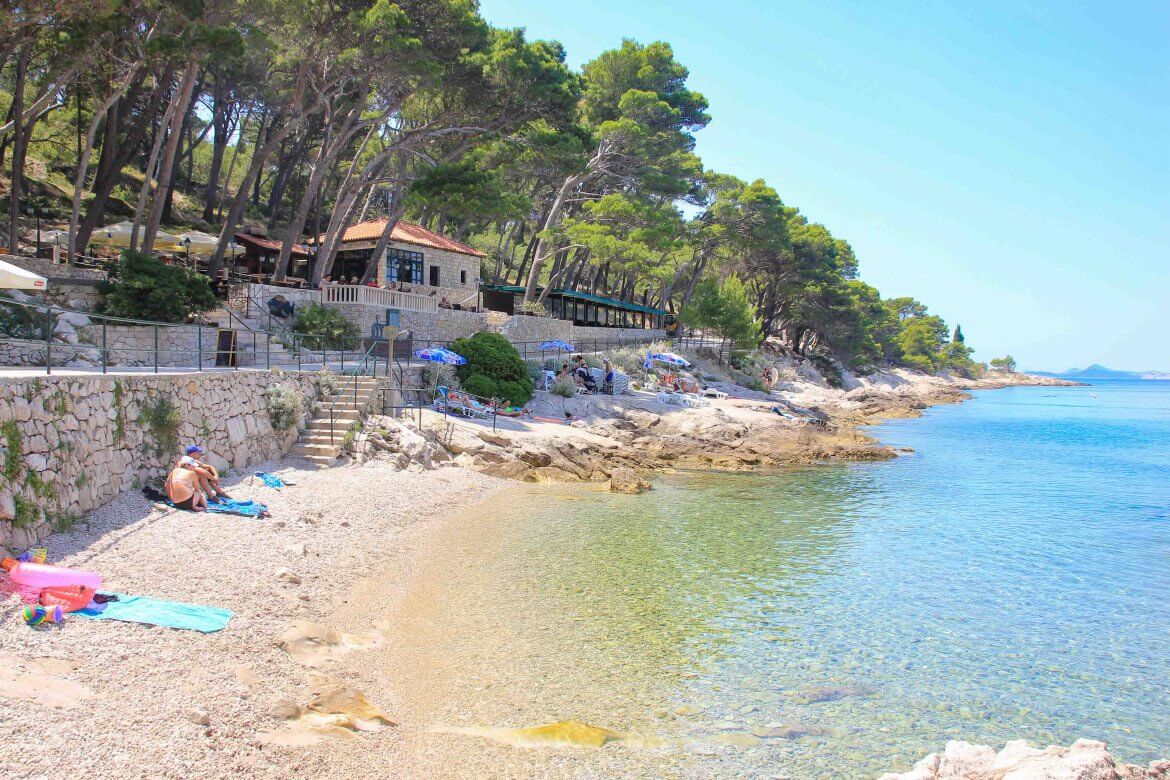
x,y
143,702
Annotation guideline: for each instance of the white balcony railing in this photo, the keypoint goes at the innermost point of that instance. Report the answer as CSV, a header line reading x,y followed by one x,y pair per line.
x,y
376,296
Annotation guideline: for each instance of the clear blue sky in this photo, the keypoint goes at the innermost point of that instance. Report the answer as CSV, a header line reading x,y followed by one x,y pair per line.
x,y
1006,163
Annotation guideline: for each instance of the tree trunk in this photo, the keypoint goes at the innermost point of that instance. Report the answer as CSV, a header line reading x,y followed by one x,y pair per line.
x,y
182,100
148,172
18,149
550,219
83,161
184,132
241,143
221,118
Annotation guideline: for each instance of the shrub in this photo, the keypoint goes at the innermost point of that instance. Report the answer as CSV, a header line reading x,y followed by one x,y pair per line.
x,y
284,406
161,419
144,287
323,327
492,357
533,308
435,374
328,382
20,322
564,387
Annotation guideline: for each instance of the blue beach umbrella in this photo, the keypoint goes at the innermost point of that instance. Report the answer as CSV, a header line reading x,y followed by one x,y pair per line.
x,y
556,345
440,355
669,358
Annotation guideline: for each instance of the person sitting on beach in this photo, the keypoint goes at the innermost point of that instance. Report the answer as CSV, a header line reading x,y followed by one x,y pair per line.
x,y
182,488
205,474
610,376
583,377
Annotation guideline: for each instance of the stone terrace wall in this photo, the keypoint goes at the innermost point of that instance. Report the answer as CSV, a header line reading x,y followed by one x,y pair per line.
x,y
69,287
70,444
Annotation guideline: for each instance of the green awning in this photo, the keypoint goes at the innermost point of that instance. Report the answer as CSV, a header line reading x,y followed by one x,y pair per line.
x,y
599,299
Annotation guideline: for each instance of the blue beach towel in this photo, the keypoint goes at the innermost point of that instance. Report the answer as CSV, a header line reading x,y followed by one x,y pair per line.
x,y
247,507
271,480
156,612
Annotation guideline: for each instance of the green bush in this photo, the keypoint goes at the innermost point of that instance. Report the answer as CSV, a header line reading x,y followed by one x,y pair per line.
x,y
284,406
161,419
145,288
564,387
494,368
323,327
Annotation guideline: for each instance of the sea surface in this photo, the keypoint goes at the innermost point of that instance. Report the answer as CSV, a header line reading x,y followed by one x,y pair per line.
x,y
1008,579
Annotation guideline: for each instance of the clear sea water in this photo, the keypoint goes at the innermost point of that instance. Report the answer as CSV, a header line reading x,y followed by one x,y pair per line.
x,y
1009,579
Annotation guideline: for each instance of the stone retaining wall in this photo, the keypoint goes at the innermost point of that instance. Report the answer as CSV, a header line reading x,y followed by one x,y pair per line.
x,y
70,444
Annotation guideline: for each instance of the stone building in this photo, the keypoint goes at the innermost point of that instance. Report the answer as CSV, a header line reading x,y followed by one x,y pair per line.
x,y
417,259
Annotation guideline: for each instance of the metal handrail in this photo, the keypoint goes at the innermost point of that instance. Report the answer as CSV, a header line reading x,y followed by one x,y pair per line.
x,y
360,370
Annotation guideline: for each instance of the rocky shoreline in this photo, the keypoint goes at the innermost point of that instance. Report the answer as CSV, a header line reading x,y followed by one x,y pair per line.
x,y
1085,759
800,424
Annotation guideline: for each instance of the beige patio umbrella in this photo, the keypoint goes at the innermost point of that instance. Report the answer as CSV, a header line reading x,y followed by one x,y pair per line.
x,y
119,235
13,277
201,243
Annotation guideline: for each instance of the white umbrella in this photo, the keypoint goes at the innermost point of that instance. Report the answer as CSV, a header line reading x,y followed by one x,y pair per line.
x,y
13,277
119,235
201,243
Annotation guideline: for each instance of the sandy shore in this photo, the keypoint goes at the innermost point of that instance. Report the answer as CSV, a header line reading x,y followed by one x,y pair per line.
x,y
107,699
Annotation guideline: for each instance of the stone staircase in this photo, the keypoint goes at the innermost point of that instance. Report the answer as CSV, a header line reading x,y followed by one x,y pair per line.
x,y
315,443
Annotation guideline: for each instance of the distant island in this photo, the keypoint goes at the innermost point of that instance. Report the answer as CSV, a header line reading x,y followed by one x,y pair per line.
x,y
1098,371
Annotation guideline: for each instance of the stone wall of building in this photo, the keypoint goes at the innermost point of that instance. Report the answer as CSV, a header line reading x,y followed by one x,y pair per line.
x,y
70,444
457,272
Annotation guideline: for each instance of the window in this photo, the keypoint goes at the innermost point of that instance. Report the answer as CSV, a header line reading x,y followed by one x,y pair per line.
x,y
463,277
434,276
404,266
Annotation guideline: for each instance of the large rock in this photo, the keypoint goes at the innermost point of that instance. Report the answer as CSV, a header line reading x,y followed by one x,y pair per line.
x,y
1085,759
624,480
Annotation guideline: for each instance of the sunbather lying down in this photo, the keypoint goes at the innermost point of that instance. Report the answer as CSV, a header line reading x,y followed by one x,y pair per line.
x,y
182,487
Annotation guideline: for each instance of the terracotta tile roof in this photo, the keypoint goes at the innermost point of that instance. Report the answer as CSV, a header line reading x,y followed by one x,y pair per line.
x,y
269,244
407,233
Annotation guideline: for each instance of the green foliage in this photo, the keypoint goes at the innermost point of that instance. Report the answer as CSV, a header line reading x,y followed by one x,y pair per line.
x,y
724,310
119,412
328,382
65,522
39,487
564,387
143,287
1005,363
325,328
12,449
22,322
351,434
534,309
285,408
25,514
494,368
161,420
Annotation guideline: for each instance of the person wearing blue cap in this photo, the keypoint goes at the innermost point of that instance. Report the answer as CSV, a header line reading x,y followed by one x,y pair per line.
x,y
206,474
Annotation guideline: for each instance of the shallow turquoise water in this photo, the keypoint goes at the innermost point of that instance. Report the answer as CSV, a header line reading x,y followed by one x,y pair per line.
x,y
1011,579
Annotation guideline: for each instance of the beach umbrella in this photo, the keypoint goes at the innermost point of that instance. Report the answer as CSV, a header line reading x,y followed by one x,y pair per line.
x,y
556,345
201,243
13,277
669,358
440,355
119,235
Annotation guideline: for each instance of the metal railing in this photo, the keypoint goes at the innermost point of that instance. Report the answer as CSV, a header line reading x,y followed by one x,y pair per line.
x,y
421,393
530,350
366,367
39,335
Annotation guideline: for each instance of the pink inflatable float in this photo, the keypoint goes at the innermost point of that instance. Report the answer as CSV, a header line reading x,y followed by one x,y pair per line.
x,y
42,575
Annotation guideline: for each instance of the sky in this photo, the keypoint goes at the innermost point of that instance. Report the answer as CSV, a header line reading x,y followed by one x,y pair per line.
x,y
1006,163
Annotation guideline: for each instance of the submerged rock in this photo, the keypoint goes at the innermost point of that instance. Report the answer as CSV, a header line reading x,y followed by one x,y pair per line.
x,y
565,733
625,480
1085,759
822,693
